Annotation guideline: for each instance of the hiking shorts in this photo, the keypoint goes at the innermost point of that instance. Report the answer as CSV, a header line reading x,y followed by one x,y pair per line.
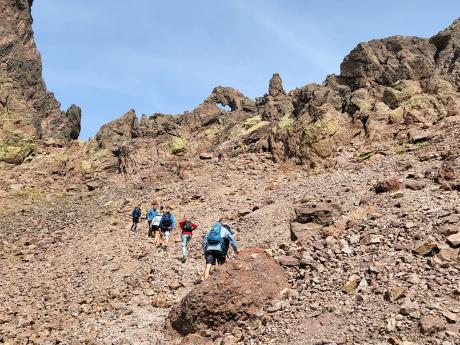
x,y
165,232
213,257
152,229
136,219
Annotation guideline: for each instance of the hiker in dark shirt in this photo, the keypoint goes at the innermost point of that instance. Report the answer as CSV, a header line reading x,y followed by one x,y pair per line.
x,y
136,214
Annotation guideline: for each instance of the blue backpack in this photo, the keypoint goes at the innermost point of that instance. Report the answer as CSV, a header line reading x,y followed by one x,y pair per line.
x,y
166,220
137,212
214,237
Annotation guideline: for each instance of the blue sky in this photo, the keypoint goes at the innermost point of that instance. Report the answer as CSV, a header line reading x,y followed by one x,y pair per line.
x,y
166,56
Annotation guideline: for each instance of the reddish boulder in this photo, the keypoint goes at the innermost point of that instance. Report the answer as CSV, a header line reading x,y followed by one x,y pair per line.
x,y
415,185
304,232
288,261
317,212
389,185
236,292
432,324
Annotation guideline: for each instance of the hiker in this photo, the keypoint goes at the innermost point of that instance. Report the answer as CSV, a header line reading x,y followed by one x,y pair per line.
x,y
187,227
136,216
166,227
214,246
151,214
156,227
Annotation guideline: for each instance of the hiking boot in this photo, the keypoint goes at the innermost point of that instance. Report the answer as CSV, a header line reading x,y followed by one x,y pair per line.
x,y
184,259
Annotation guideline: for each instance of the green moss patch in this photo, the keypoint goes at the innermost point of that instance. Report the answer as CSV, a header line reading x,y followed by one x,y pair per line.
x,y
318,137
320,130
29,193
83,166
286,122
15,151
178,145
323,148
361,157
248,126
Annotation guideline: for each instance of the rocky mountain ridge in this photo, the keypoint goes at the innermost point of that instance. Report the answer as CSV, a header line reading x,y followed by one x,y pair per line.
x,y
389,92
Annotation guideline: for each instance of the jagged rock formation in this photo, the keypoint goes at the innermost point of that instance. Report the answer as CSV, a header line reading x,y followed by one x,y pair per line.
x,y
389,92
28,112
117,131
447,43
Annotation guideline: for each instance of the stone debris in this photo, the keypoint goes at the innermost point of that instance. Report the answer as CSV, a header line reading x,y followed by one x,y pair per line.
x,y
351,284
454,240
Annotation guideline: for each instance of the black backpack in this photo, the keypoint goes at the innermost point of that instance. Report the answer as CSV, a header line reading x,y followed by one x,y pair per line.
x,y
166,220
188,226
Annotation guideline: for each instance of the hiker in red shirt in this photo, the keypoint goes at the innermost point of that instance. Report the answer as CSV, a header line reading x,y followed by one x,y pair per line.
x,y
187,228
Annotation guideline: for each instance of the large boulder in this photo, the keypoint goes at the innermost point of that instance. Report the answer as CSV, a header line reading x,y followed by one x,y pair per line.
x,y
236,292
304,232
317,212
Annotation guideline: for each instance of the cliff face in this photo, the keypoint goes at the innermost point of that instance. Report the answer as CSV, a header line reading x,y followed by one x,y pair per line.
x,y
28,112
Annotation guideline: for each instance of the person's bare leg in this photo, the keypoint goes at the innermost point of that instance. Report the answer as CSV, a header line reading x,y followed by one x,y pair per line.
x,y
157,238
166,241
206,271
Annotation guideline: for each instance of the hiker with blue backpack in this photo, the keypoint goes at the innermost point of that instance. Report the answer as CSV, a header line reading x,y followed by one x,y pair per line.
x,y
215,248
166,227
136,214
151,214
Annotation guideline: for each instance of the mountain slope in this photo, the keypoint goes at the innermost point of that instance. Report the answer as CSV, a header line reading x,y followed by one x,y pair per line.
x,y
351,186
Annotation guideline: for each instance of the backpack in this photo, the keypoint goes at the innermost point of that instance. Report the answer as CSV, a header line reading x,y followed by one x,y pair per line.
x,y
166,220
137,212
214,235
156,221
188,226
